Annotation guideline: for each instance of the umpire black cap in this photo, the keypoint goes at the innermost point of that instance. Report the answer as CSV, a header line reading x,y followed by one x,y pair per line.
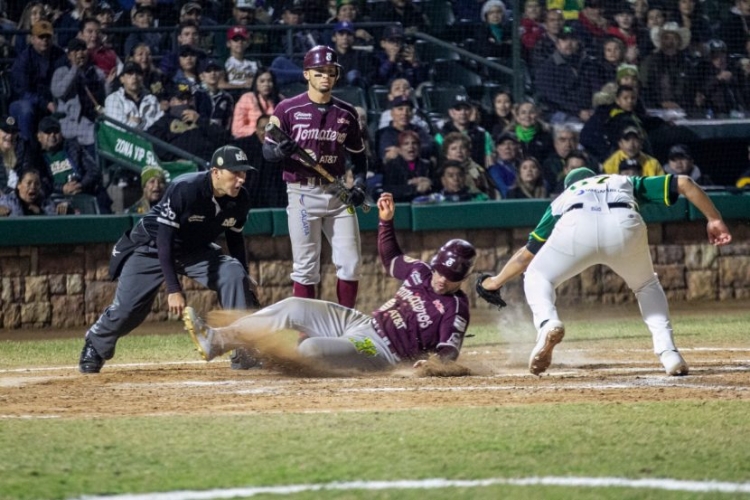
x,y
231,158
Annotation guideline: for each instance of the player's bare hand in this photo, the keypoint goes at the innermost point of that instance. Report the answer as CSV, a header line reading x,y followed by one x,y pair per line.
x,y
176,303
391,153
4,211
718,233
386,207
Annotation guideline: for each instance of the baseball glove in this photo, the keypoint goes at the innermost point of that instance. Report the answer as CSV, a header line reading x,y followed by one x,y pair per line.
x,y
491,296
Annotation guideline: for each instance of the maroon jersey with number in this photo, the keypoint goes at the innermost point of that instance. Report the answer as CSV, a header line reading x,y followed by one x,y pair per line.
x,y
324,131
417,319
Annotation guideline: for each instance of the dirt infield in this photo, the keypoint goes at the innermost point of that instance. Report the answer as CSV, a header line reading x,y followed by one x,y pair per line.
x,y
581,372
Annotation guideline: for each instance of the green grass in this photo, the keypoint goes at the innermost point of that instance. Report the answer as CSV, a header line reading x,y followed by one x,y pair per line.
x,y
64,458
685,440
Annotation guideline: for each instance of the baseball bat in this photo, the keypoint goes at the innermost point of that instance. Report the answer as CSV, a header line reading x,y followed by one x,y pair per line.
x,y
308,161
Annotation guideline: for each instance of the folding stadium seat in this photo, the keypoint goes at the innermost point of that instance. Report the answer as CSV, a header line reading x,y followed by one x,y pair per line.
x,y
293,89
450,71
438,98
378,98
428,52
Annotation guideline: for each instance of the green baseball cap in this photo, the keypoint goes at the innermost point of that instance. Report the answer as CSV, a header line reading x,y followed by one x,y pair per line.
x,y
578,174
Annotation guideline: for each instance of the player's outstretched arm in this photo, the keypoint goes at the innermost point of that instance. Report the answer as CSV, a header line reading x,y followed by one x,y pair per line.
x,y
514,267
718,233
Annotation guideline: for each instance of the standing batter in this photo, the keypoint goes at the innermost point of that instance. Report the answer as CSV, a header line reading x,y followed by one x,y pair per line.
x,y
596,221
328,129
178,237
428,314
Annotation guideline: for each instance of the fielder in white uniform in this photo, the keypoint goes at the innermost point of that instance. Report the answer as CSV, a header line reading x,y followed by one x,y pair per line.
x,y
596,221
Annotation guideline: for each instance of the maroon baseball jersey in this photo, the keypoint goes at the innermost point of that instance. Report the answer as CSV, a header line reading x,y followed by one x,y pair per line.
x,y
417,319
324,131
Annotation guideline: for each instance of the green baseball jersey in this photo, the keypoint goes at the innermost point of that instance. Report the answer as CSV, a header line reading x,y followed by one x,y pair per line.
x,y
60,166
595,194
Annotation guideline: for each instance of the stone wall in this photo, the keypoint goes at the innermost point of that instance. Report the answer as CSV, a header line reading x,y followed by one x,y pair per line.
x,y
67,286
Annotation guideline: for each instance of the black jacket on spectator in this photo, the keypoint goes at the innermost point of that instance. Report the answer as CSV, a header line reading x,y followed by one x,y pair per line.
x,y
388,136
489,46
396,174
735,32
666,79
218,107
31,73
201,138
478,136
560,85
721,96
602,131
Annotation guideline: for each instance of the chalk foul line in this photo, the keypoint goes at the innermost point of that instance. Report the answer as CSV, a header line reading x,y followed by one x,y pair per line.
x,y
427,484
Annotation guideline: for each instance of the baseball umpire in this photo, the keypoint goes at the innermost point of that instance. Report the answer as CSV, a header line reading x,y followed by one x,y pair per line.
x,y
178,237
428,314
596,221
327,128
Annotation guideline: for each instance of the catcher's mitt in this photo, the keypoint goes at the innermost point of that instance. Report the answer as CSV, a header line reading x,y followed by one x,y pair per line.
x,y
491,296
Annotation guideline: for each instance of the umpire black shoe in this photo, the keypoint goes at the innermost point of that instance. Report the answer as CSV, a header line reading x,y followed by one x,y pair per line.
x,y
90,361
243,359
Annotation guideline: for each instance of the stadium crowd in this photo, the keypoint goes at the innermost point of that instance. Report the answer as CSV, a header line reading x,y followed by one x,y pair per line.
x,y
604,81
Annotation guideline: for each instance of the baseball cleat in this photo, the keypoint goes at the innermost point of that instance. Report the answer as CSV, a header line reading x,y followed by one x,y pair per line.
x,y
201,334
90,361
549,336
673,363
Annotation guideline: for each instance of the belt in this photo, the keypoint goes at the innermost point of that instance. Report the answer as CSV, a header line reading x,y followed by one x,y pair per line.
x,y
311,181
618,204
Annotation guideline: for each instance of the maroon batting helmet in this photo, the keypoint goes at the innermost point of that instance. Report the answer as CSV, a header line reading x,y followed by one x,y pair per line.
x,y
320,56
455,260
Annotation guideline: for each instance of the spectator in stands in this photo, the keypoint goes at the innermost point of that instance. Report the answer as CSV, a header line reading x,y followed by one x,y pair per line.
x,y
347,12
192,11
591,26
531,25
261,100
240,71
14,155
504,170
133,104
494,36
28,198
183,127
576,159
498,121
625,31
105,14
356,65
481,142
187,34
402,111
71,168
407,175
267,189
742,70
30,78
716,87
79,88
210,101
245,13
665,70
153,79
103,57
453,179
153,183
35,11
565,140
547,44
397,59
69,22
630,167
400,87
631,148
530,182
400,11
569,8
602,70
533,134
142,17
457,147
187,69
288,68
640,13
655,18
735,30
560,84
680,162
688,16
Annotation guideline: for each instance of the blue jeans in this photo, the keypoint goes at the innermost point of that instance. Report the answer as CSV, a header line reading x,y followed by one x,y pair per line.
x,y
26,111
